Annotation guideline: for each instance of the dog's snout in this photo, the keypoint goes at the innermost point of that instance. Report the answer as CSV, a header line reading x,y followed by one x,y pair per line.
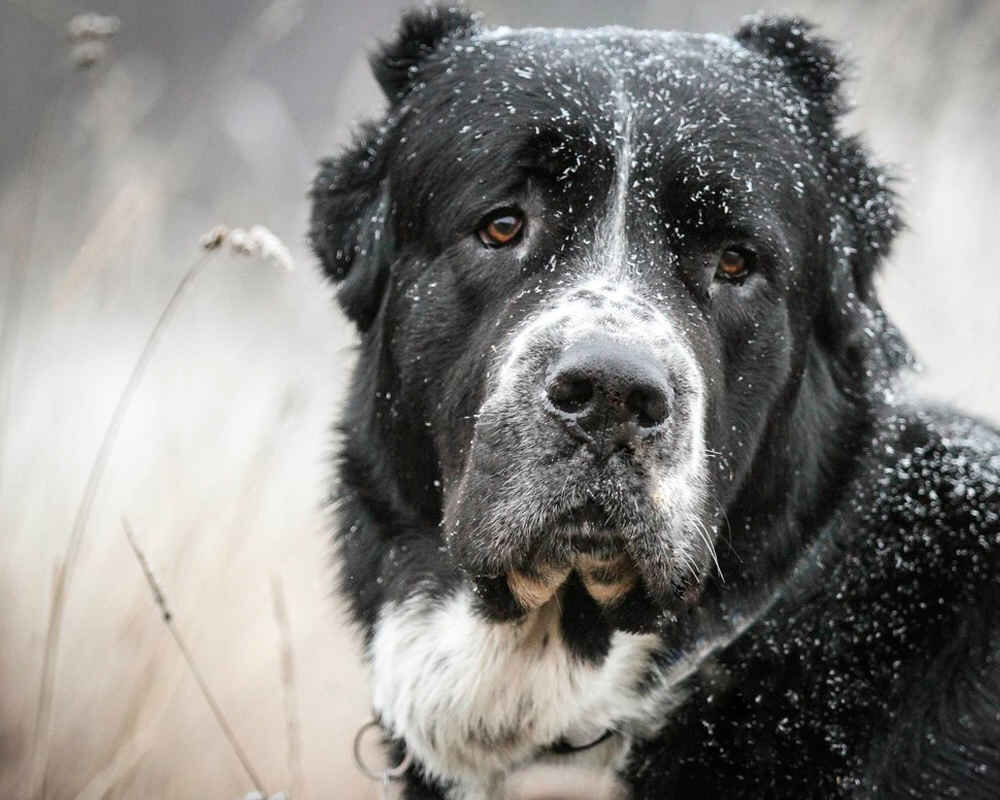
x,y
609,390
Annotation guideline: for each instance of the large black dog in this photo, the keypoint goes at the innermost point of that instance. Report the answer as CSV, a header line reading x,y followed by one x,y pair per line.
x,y
625,483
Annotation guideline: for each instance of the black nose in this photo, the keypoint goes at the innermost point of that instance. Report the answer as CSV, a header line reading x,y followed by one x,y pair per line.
x,y
609,392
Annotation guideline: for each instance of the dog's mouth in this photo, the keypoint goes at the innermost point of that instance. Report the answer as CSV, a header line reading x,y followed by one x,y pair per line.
x,y
592,547
607,581
619,537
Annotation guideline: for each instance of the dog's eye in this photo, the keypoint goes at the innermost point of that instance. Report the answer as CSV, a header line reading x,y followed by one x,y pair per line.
x,y
501,229
735,263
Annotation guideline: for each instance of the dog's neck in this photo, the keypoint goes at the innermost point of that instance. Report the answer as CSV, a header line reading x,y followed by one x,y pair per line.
x,y
478,702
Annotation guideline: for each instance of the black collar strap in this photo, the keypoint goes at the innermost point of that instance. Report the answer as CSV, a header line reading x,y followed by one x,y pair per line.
x,y
563,748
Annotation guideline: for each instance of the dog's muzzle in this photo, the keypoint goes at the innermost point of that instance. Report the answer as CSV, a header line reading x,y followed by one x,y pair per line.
x,y
611,395
586,464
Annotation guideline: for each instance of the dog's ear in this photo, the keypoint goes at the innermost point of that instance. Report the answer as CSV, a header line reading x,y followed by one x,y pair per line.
x,y
421,32
809,60
349,230
863,204
861,192
864,195
351,227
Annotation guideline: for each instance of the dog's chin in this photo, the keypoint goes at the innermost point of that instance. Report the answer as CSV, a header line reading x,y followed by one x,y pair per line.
x,y
625,570
633,610
607,574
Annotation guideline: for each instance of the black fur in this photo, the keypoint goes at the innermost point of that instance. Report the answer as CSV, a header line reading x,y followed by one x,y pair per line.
x,y
397,65
869,529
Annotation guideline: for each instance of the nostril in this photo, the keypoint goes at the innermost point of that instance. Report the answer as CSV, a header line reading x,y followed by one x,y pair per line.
x,y
570,394
610,393
648,406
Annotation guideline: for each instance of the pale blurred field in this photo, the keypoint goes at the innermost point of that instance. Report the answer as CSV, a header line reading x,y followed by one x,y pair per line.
x,y
217,112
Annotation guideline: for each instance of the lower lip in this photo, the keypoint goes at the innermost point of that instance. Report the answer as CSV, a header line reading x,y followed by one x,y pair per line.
x,y
607,578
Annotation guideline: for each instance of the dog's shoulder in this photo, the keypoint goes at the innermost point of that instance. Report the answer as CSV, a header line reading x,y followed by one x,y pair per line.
x,y
933,481
931,542
886,626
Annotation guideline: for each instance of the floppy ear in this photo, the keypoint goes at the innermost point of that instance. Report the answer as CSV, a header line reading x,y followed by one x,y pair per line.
x,y
809,60
349,230
421,32
864,218
861,193
351,226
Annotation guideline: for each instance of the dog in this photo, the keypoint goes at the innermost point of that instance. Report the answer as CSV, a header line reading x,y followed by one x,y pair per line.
x,y
626,484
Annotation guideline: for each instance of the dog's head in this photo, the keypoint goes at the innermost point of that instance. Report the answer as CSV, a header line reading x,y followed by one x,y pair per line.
x,y
610,284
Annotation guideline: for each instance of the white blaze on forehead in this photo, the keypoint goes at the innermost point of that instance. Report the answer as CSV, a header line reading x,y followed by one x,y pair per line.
x,y
613,248
604,300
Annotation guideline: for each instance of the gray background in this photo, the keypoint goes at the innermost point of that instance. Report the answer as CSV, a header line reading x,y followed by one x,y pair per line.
x,y
208,112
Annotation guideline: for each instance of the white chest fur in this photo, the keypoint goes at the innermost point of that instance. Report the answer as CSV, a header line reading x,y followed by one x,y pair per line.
x,y
476,701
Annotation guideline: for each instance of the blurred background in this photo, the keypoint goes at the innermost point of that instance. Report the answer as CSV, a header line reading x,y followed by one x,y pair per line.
x,y
199,113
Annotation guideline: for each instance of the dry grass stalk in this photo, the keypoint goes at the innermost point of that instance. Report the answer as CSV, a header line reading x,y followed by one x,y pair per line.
x,y
257,242
268,247
51,643
261,242
161,601
89,35
43,715
84,32
91,25
9,334
294,729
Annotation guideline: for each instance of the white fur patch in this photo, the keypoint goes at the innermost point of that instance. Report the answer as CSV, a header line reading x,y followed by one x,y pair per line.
x,y
614,235
476,700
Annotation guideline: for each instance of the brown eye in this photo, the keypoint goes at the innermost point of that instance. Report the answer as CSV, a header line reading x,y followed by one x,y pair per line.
x,y
502,229
734,264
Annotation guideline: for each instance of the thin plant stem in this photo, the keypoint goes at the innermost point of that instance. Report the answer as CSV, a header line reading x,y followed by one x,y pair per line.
x,y
161,601
294,729
43,715
51,634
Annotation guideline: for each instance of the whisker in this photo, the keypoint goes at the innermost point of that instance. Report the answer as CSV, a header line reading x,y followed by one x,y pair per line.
x,y
707,539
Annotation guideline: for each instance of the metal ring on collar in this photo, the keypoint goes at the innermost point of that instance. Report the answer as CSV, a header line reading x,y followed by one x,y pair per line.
x,y
387,774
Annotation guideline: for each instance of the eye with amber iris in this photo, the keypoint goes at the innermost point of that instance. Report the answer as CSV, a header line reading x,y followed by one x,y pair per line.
x,y
501,229
735,263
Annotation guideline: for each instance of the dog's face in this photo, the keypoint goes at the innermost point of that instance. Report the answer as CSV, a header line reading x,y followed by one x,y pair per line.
x,y
586,265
